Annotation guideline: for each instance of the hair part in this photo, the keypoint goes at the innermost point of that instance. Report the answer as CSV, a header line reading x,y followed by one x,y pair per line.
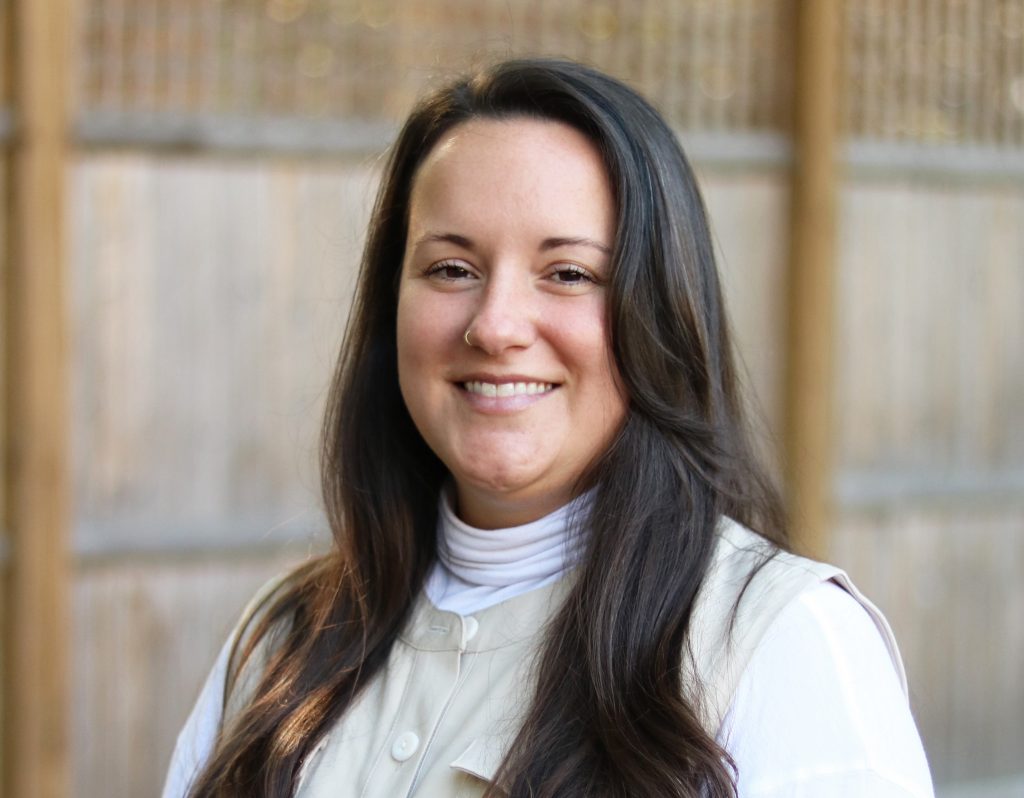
x,y
610,714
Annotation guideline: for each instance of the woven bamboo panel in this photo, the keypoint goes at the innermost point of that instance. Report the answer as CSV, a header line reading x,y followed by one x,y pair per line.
x,y
934,71
949,582
944,71
145,635
709,65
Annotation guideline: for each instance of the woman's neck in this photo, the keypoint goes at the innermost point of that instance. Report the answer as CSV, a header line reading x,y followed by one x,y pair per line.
x,y
498,557
480,567
487,510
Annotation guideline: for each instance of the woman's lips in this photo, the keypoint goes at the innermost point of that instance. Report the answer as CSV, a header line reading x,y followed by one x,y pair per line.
x,y
506,389
504,396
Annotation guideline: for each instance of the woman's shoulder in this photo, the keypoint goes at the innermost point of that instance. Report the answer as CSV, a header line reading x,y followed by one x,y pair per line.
x,y
821,709
198,736
740,552
262,602
749,585
259,630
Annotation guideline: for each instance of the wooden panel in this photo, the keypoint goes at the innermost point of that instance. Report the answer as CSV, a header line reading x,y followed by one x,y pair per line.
x,y
950,585
208,299
145,636
930,443
748,218
931,336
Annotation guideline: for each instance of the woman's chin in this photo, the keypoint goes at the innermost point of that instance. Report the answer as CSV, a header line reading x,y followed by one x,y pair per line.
x,y
501,498
496,483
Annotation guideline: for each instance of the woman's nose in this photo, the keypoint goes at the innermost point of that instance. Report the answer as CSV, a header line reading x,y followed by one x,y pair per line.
x,y
504,319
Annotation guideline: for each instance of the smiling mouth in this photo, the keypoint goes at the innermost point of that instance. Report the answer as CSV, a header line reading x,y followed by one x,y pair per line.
x,y
504,389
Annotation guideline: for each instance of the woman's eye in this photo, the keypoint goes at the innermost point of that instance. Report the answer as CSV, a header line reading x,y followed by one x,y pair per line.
x,y
449,270
571,275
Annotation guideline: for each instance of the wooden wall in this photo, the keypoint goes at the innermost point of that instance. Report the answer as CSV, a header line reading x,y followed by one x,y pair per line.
x,y
208,296
207,302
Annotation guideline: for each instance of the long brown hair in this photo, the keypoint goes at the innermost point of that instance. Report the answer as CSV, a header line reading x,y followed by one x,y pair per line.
x,y
610,715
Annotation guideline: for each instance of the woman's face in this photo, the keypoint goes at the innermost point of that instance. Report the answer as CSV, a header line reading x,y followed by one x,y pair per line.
x,y
511,225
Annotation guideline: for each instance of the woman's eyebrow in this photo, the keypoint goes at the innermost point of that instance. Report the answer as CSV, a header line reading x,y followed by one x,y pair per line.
x,y
574,241
548,243
448,238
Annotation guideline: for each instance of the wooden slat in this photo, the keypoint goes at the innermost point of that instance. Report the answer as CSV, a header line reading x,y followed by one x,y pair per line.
x,y
36,446
930,337
748,212
950,586
809,346
4,518
208,299
146,634
6,61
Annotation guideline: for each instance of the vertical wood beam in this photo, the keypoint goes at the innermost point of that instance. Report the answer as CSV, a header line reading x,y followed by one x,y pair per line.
x,y
808,432
37,484
5,219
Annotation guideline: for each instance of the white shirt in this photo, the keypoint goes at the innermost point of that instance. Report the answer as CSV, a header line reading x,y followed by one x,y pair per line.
x,y
819,710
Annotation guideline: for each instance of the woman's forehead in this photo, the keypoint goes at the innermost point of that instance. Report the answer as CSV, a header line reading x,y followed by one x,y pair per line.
x,y
514,171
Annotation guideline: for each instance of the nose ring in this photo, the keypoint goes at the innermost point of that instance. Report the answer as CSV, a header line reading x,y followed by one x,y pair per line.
x,y
465,336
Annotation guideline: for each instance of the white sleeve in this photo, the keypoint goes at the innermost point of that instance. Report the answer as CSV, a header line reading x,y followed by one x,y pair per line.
x,y
820,711
197,737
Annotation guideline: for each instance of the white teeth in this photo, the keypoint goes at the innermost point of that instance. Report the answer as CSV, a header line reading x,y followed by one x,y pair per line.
x,y
504,389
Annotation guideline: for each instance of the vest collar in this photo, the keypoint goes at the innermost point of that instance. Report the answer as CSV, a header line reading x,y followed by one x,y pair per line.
x,y
512,621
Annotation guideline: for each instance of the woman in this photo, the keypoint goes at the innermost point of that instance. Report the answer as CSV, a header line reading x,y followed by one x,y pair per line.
x,y
537,475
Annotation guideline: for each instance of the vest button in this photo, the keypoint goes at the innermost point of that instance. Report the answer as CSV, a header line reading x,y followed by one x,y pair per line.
x,y
471,626
405,746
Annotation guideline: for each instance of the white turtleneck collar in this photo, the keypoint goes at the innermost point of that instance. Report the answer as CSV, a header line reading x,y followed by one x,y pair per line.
x,y
477,568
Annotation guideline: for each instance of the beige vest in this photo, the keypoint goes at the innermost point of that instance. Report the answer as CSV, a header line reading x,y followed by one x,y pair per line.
x,y
440,716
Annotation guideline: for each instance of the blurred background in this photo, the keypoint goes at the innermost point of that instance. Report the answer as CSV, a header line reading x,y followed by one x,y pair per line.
x,y
185,187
